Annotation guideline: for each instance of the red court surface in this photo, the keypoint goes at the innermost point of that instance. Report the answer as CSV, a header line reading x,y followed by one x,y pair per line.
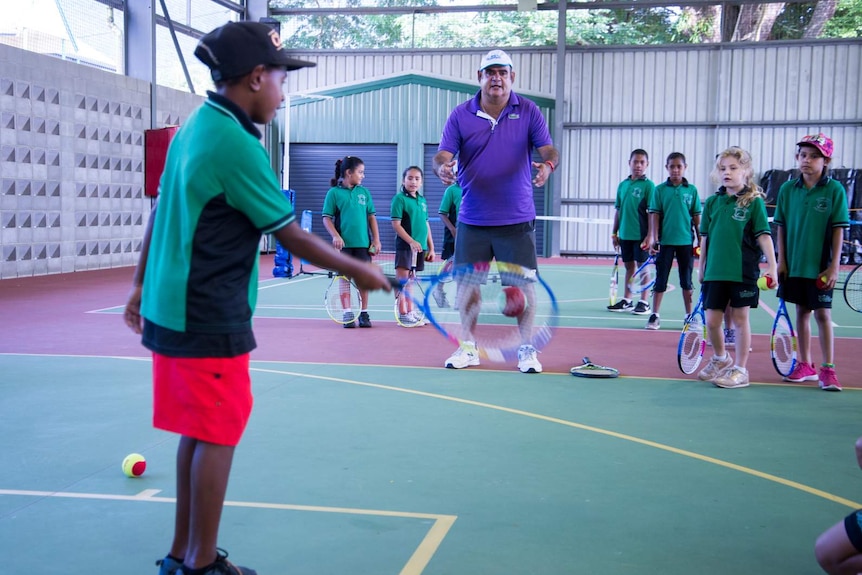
x,y
48,315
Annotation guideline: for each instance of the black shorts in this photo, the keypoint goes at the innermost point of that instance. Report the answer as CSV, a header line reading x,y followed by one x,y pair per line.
x,y
404,260
853,529
631,250
448,249
357,253
716,295
513,244
664,262
805,293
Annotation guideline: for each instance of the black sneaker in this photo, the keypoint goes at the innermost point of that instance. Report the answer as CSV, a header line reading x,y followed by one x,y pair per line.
x,y
222,566
364,320
641,308
169,566
620,306
654,322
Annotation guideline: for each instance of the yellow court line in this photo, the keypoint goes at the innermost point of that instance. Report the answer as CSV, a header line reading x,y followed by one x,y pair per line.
x,y
414,566
685,453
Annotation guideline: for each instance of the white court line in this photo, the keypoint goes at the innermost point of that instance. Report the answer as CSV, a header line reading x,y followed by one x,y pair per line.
x,y
414,566
773,313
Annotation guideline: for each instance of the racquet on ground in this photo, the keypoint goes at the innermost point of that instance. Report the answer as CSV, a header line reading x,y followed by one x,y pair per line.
x,y
853,289
590,369
644,277
408,314
498,306
783,341
692,340
615,279
342,300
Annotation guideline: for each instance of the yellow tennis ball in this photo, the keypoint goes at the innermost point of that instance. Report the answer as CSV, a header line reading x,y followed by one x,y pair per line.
x,y
764,283
134,465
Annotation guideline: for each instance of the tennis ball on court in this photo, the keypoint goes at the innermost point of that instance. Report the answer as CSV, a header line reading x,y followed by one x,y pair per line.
x,y
511,301
134,465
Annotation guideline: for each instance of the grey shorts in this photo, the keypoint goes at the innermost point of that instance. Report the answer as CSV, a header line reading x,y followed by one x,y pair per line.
x,y
514,244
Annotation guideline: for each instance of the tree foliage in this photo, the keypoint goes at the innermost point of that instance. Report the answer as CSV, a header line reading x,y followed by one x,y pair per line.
x,y
636,26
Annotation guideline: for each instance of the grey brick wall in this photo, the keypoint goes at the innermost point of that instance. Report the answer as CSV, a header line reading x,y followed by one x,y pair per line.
x,y
72,163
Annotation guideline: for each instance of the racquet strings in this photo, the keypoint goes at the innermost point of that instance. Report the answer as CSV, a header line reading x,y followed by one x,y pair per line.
x,y
783,345
643,278
692,344
342,300
476,310
853,290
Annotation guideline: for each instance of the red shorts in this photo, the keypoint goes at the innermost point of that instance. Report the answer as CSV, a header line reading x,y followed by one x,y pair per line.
x,y
204,398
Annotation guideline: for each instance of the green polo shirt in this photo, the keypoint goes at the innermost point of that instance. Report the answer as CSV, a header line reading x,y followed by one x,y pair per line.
x,y
218,195
809,218
349,210
449,205
413,213
632,199
732,232
676,205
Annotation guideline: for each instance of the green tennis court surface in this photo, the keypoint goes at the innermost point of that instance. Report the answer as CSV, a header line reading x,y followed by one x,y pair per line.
x,y
376,470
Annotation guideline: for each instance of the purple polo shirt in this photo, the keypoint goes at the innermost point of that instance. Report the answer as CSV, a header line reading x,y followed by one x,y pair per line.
x,y
494,162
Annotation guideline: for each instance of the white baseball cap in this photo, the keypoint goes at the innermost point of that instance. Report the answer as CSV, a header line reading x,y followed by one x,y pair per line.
x,y
495,58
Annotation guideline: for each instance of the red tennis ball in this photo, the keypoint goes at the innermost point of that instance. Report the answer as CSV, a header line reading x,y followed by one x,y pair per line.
x,y
822,281
512,301
134,465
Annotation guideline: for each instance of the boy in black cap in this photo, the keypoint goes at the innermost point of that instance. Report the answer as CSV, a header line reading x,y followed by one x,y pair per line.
x,y
194,288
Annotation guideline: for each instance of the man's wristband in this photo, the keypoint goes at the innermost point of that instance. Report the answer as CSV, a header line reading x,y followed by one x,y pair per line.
x,y
551,165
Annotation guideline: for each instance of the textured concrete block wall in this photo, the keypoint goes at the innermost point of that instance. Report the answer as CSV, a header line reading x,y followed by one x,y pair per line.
x,y
72,163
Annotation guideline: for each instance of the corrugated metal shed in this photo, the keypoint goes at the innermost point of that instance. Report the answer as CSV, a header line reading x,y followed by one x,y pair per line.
x,y
694,99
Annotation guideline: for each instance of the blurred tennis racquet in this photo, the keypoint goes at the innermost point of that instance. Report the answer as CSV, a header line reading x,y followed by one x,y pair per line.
x,y
590,369
498,306
615,279
406,313
692,340
342,300
853,289
644,277
783,341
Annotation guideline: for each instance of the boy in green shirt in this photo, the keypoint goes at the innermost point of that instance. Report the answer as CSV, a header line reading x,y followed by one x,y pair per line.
x,y
673,210
631,227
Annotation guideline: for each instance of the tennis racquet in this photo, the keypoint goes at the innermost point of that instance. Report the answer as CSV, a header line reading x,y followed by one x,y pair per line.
x,y
692,340
783,341
644,277
484,310
590,369
853,289
342,300
406,313
615,279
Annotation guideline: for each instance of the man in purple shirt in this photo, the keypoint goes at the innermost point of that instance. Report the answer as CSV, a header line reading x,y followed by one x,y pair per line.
x,y
493,136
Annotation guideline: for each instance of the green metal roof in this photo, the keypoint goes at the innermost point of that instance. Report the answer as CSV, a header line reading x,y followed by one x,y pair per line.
x,y
402,80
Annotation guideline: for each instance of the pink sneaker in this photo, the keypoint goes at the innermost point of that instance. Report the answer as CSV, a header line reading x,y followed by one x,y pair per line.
x,y
802,372
828,380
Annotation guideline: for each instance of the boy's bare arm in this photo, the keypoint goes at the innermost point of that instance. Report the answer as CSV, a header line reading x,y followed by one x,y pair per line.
x,y
132,312
315,250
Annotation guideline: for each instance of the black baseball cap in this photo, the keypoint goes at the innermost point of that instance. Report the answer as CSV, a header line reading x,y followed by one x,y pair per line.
x,y
233,50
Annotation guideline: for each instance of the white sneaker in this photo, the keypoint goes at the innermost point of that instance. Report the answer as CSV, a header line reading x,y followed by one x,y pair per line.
x,y
418,318
527,360
465,356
